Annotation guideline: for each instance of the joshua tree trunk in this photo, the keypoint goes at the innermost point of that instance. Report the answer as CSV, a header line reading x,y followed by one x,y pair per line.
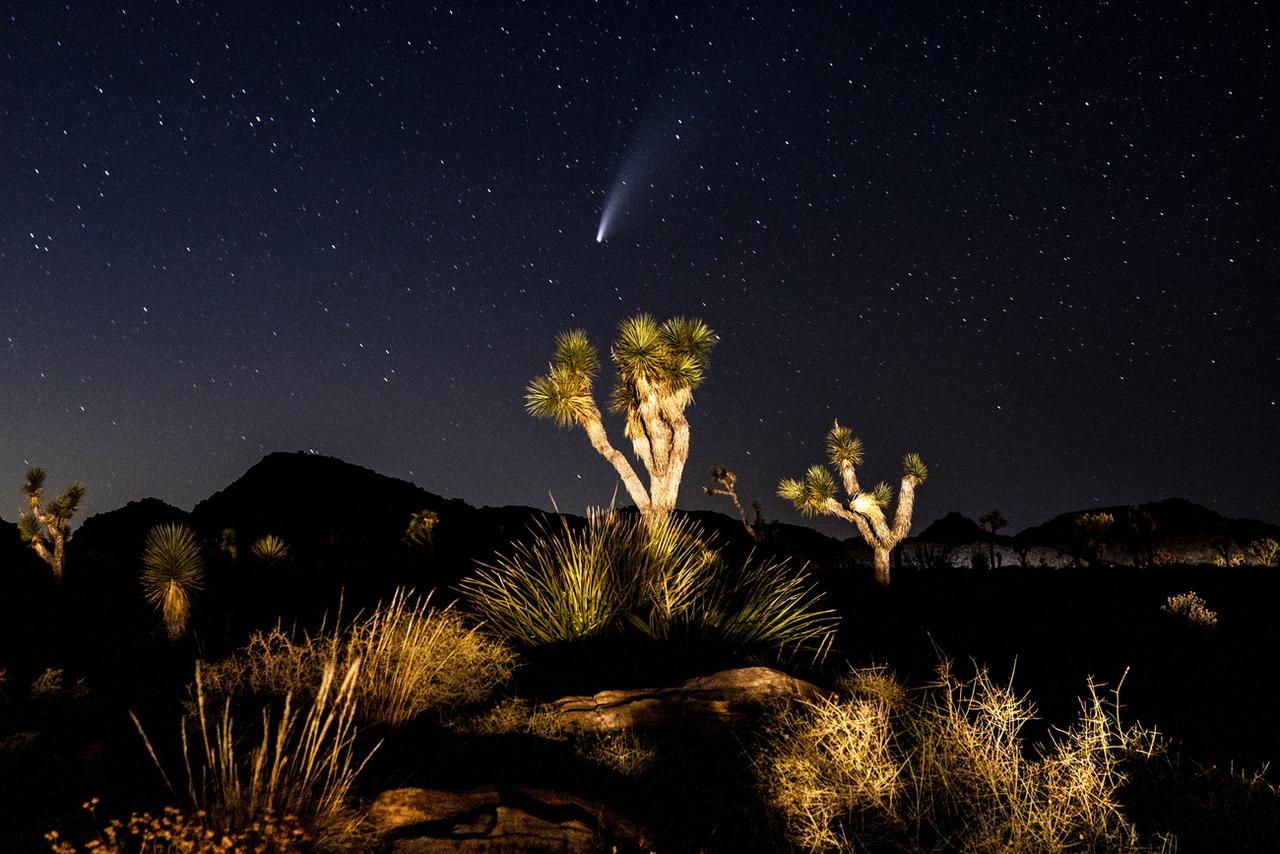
x,y
882,566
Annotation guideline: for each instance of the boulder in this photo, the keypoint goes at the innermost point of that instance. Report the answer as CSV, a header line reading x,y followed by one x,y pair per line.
x,y
495,819
727,697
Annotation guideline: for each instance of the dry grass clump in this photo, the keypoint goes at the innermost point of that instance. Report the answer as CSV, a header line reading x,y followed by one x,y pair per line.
x,y
623,752
947,769
176,832
301,762
1190,608
413,659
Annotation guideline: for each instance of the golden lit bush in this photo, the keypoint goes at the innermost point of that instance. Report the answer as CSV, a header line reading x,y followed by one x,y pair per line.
x,y
1191,609
413,659
947,769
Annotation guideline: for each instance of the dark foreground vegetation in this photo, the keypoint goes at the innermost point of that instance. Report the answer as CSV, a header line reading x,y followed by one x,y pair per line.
x,y
961,709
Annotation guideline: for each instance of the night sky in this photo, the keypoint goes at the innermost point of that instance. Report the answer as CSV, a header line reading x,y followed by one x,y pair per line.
x,y
1035,243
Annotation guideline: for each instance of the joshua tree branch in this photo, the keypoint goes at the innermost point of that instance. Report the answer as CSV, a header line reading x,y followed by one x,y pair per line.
x,y
594,427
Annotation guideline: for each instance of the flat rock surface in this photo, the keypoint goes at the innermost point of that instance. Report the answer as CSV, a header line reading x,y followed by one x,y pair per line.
x,y
500,819
725,697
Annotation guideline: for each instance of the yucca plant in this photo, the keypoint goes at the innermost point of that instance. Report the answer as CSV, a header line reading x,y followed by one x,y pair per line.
x,y
48,525
270,549
815,495
172,571
658,365
663,578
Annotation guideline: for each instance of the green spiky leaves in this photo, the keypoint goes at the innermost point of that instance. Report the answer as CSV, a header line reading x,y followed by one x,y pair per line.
x,y
882,495
914,467
564,393
810,495
67,504
29,528
672,356
843,448
33,482
172,570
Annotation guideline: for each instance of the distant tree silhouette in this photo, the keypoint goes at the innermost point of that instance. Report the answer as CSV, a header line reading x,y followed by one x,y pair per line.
x,y
421,530
1264,551
658,367
1088,532
1139,529
727,481
227,544
992,522
48,525
815,494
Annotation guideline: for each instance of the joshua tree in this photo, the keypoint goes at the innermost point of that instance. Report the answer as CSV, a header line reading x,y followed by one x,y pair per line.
x,y
421,530
1088,531
172,570
48,525
992,522
1140,528
728,481
1264,551
658,367
227,544
816,495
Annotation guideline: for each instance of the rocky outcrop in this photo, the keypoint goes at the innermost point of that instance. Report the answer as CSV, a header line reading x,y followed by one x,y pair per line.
x,y
722,698
497,819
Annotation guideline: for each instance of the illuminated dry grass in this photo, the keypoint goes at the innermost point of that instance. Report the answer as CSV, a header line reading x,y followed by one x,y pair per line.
x,y
174,831
947,769
297,762
413,659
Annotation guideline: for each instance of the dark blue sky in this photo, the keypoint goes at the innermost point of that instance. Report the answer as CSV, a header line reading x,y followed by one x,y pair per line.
x,y
1037,244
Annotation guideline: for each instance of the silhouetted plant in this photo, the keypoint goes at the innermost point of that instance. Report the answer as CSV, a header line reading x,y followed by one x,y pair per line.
x,y
815,495
658,367
421,529
47,526
227,544
1140,527
172,570
1088,531
727,486
992,522
923,556
270,549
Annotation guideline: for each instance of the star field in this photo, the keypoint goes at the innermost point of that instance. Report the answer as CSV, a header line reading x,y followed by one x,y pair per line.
x,y
1036,244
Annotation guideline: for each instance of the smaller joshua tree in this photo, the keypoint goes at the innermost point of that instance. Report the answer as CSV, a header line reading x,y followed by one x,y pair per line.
x,y
727,485
172,570
48,525
815,495
992,522
421,529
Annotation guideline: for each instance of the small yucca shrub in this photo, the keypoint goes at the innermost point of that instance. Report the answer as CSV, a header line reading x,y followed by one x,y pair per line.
x,y
270,550
172,571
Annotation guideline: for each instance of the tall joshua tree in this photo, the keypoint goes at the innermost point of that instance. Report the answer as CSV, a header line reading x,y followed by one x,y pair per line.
x,y
815,495
48,525
658,367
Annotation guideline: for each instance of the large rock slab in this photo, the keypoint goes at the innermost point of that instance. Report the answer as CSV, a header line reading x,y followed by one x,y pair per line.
x,y
727,697
498,820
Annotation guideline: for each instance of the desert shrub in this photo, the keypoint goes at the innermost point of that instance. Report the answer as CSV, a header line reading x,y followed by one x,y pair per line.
x,y
1191,609
413,658
663,579
624,752
303,763
176,832
946,769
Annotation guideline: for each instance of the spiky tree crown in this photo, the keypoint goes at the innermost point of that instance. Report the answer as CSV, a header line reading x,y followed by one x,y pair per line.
x,y
811,494
33,482
914,467
171,555
843,448
564,393
672,355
